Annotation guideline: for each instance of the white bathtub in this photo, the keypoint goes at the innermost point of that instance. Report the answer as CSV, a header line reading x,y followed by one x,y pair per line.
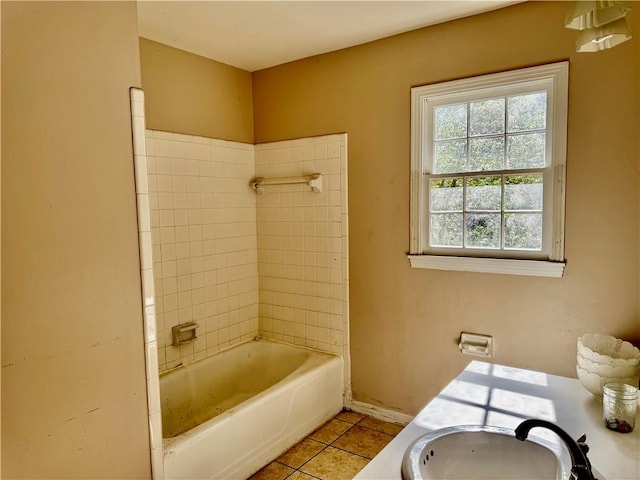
x,y
229,414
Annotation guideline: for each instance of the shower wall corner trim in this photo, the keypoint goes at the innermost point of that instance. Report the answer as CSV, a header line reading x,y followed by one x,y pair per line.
x,y
146,274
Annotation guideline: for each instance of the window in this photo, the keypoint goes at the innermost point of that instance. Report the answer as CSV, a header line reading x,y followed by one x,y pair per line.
x,y
488,172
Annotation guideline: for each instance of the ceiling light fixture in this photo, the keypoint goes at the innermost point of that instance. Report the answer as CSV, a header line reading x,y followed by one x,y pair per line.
x,y
602,24
601,38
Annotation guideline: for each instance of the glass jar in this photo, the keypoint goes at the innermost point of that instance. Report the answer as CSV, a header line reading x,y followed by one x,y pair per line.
x,y
619,404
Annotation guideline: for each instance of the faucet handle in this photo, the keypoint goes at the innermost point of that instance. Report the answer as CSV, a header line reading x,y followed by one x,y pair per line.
x,y
582,443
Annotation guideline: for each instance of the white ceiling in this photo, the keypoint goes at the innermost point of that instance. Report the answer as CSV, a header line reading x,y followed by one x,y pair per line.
x,y
253,35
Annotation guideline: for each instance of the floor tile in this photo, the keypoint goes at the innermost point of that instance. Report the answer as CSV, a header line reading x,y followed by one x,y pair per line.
x,y
363,441
301,453
273,471
334,464
381,426
350,417
354,439
330,431
297,475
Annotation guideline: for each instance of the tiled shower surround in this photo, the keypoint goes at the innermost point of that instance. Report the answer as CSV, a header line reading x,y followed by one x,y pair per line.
x,y
203,231
242,264
303,244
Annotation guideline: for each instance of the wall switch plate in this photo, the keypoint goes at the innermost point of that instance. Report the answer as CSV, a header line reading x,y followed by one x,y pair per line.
x,y
476,344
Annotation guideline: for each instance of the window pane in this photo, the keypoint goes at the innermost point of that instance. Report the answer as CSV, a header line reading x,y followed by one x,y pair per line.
x,y
450,157
526,151
523,231
484,193
483,230
523,192
446,195
486,117
486,153
446,230
450,121
527,112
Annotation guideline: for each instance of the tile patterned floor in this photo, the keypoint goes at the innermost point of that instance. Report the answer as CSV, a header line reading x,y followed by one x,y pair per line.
x,y
336,451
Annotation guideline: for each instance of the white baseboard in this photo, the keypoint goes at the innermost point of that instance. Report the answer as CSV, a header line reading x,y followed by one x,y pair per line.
x,y
380,413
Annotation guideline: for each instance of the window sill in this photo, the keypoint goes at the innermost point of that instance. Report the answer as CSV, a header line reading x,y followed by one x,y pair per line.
x,y
533,268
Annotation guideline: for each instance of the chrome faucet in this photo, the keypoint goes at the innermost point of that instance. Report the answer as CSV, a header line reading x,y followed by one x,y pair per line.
x,y
580,465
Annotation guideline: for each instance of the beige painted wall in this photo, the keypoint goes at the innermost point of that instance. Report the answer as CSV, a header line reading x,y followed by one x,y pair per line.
x,y
186,93
0,245
405,323
73,379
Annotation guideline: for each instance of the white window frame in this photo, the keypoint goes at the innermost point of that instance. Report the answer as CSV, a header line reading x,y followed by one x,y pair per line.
x,y
552,78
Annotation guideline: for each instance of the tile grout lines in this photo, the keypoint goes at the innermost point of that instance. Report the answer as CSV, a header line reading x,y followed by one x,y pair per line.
x,y
384,431
326,445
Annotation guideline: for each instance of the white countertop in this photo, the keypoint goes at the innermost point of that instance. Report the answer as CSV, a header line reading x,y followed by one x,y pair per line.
x,y
489,394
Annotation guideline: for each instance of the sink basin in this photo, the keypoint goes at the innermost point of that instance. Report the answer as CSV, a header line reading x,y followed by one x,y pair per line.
x,y
483,452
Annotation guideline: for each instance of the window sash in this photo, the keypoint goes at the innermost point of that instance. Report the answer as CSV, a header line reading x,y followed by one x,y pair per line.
x,y
429,155
550,78
502,251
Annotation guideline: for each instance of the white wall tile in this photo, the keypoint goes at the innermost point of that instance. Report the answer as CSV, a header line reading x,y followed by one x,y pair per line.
x,y
157,463
203,240
144,216
155,429
145,250
140,166
299,238
150,323
212,233
148,293
139,140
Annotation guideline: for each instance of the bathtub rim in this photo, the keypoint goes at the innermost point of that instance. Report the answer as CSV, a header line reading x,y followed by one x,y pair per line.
x,y
247,342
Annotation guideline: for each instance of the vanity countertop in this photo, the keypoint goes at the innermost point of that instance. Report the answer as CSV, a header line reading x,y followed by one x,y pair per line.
x,y
490,394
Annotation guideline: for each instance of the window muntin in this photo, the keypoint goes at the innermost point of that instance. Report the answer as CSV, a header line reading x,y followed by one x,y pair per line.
x,y
488,134
488,212
488,163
